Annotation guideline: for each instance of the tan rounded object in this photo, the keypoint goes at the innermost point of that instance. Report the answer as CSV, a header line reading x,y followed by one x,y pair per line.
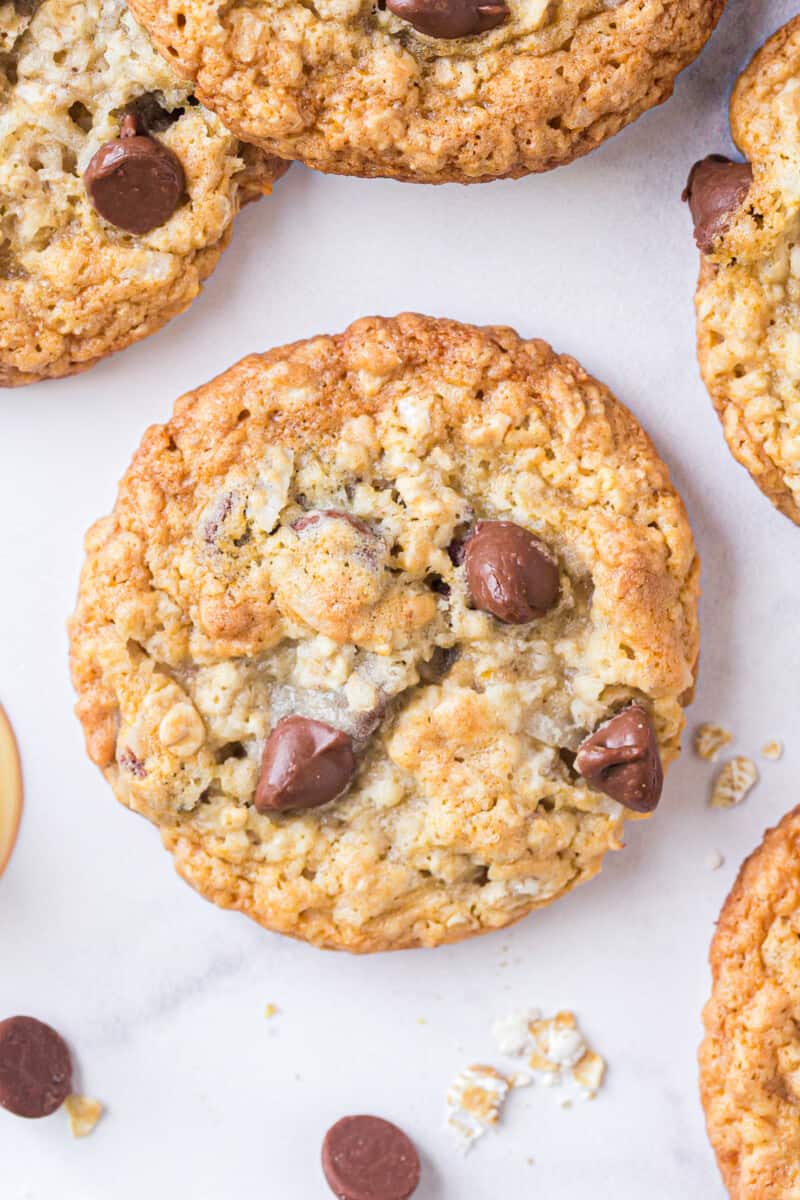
x,y
349,86
289,544
10,790
750,1057
748,294
74,287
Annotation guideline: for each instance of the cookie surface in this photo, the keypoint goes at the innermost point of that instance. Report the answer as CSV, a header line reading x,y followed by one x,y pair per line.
x,y
397,88
748,295
292,545
750,1058
73,286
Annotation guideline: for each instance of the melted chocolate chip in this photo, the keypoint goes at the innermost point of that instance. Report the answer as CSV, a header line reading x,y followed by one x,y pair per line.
x,y
621,758
367,1158
150,114
321,514
450,18
436,667
717,186
305,763
135,182
35,1067
510,573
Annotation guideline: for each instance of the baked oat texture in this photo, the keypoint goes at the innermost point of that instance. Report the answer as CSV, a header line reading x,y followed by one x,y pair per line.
x,y
750,1058
203,618
74,288
748,295
347,86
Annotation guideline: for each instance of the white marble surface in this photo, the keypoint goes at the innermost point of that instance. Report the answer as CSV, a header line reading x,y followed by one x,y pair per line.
x,y
161,995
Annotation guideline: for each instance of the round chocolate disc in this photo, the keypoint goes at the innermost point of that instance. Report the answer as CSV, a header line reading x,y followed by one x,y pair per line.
x,y
367,1158
135,181
35,1067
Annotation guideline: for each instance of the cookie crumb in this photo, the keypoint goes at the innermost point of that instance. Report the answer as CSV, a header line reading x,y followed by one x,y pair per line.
x,y
772,750
271,1010
83,1113
736,779
709,739
512,1033
556,1048
714,860
475,1100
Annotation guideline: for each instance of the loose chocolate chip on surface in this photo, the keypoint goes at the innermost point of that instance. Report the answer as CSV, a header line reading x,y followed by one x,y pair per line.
x,y
450,18
35,1067
510,573
621,758
305,763
135,181
715,189
367,1158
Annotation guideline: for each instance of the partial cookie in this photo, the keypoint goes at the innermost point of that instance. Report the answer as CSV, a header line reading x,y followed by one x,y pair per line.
x,y
386,629
430,90
10,790
750,1058
747,224
117,189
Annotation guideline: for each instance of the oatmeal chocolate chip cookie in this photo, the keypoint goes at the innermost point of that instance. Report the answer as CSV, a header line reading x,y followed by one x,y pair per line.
x,y
386,630
432,91
747,225
750,1058
117,189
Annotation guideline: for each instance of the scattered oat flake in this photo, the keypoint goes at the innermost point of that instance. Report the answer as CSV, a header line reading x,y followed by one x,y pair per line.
x,y
556,1048
709,739
735,780
271,1010
772,750
83,1113
714,860
474,1101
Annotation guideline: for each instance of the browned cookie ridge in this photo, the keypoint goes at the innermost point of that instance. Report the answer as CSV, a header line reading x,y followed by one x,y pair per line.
x,y
389,632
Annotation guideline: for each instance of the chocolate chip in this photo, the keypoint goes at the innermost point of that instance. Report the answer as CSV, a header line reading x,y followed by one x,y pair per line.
x,y
35,1067
321,514
621,758
449,18
510,573
439,663
305,763
367,1158
150,114
135,181
715,189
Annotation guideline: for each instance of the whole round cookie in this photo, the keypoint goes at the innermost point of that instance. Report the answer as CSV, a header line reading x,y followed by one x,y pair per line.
x,y
117,189
747,224
431,91
387,630
750,1058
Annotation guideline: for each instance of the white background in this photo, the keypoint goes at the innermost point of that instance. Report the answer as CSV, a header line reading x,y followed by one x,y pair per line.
x,y
161,995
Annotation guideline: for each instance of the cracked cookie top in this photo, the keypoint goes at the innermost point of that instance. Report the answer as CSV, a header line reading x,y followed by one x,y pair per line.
x,y
747,223
430,90
117,189
388,631
750,1058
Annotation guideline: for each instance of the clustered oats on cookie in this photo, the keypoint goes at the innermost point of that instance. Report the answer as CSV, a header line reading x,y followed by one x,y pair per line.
x,y
389,632
750,1058
117,189
747,224
430,90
